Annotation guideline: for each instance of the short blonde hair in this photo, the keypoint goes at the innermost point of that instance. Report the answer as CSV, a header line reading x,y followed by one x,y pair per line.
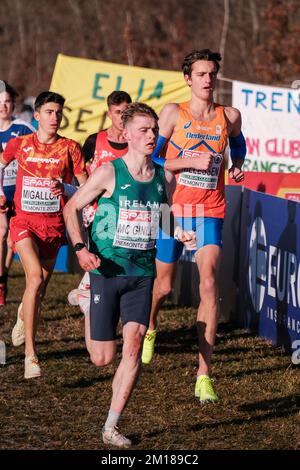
x,y
137,108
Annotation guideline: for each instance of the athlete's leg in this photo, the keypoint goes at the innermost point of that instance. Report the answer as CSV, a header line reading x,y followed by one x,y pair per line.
x,y
3,250
9,254
47,269
102,320
128,370
162,287
102,352
37,273
168,253
123,382
165,274
3,237
87,332
208,262
135,296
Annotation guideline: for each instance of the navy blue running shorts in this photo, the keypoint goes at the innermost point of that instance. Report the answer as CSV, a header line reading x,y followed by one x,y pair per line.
x,y
125,297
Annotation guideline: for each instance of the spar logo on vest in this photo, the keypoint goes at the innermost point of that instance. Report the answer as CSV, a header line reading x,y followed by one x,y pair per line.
x,y
36,195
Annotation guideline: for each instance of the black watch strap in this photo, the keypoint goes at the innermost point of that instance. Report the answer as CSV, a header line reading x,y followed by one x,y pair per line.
x,y
79,246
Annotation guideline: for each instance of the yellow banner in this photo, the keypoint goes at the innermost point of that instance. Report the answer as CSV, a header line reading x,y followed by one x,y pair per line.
x,y
86,84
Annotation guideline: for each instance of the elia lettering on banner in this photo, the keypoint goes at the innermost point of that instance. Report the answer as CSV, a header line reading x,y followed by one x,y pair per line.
x,y
86,84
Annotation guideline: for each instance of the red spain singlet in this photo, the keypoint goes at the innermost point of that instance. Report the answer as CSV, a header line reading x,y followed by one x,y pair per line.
x,y
104,152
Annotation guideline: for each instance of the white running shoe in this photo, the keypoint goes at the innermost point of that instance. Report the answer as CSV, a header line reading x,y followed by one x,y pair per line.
x,y
85,282
84,300
113,437
18,332
32,368
73,297
75,294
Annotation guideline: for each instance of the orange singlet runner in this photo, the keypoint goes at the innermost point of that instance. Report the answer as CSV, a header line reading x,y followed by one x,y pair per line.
x,y
196,187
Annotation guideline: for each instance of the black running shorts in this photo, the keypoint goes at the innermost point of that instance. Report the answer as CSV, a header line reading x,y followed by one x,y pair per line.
x,y
125,297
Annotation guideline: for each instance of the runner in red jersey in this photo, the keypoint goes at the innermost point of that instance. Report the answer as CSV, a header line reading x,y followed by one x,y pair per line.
x,y
10,127
38,228
99,148
108,144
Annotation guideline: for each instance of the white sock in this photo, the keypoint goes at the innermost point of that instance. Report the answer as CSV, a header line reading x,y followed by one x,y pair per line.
x,y
112,419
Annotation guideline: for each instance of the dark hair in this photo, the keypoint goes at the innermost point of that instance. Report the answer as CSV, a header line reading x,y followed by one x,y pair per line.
x,y
48,97
118,97
204,54
4,86
140,109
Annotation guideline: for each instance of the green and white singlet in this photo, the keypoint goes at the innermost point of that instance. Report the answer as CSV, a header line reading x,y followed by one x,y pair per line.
x,y
126,224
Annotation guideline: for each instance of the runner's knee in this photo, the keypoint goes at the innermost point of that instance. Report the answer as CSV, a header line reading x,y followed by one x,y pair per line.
x,y
102,358
208,287
35,283
163,287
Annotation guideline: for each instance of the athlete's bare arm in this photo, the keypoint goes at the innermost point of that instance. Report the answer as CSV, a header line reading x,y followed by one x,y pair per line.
x,y
59,188
234,121
170,185
1,159
167,119
167,122
101,181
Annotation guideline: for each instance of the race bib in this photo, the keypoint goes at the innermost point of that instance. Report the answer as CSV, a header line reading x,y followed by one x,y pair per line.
x,y
10,173
37,197
137,229
204,179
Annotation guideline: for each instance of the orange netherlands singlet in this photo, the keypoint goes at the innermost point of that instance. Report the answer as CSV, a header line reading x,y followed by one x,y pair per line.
x,y
197,188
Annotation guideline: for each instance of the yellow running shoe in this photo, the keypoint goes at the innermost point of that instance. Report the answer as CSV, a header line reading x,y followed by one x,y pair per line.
x,y
204,390
148,346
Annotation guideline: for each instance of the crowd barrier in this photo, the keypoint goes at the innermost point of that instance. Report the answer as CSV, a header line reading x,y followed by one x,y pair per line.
x,y
269,268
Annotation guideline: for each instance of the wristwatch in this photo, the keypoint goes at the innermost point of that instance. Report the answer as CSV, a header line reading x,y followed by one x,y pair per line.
x,y
79,246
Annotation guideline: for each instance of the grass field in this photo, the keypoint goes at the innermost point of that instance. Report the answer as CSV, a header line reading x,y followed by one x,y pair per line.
x,y
66,407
